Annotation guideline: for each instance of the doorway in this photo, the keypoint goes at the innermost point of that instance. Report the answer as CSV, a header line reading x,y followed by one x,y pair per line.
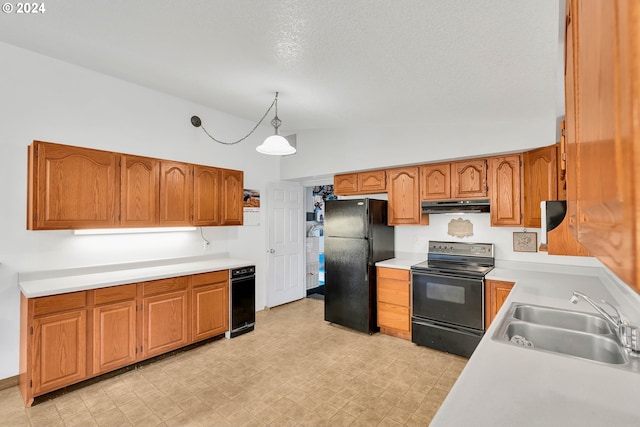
x,y
315,197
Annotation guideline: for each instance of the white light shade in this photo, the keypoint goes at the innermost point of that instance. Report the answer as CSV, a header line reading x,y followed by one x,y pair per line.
x,y
276,145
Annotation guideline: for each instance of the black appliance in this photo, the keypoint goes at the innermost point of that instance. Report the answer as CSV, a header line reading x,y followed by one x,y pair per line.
x,y
356,236
456,206
243,301
448,296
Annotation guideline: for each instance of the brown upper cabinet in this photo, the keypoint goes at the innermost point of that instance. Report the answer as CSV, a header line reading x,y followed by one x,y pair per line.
x,y
71,187
75,188
435,181
176,193
505,190
207,195
603,132
232,197
540,181
360,182
469,179
139,191
404,197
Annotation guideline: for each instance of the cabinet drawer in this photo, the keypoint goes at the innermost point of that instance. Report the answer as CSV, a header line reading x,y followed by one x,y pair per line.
x,y
165,285
114,294
209,278
393,273
393,316
393,292
59,303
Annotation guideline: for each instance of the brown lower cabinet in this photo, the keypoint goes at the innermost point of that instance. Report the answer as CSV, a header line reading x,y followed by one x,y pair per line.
x,y
496,292
393,298
68,338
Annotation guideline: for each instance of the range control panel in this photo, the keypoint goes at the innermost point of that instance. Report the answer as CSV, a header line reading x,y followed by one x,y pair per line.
x,y
461,249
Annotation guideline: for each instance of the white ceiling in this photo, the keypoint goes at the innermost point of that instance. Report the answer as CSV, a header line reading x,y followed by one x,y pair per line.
x,y
336,63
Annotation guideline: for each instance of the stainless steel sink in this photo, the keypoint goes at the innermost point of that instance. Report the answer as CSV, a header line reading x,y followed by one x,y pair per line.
x,y
574,320
565,332
590,346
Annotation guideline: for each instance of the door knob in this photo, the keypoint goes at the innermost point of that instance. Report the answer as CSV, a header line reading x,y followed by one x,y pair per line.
x,y
272,251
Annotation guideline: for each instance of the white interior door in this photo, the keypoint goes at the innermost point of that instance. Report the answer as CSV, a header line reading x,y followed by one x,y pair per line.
x,y
285,276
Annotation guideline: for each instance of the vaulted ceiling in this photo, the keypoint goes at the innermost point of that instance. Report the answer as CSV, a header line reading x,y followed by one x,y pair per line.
x,y
336,63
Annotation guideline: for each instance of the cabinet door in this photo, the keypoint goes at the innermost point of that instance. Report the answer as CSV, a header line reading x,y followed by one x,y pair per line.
x,y
570,99
114,336
469,179
540,182
164,315
404,196
210,299
139,184
372,182
393,298
606,62
496,292
232,197
505,191
435,182
345,184
176,193
71,187
394,317
206,196
60,350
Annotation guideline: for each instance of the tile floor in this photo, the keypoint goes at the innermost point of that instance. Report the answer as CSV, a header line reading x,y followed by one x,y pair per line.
x,y
294,370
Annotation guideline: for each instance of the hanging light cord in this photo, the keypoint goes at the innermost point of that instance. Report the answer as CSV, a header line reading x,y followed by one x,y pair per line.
x,y
195,121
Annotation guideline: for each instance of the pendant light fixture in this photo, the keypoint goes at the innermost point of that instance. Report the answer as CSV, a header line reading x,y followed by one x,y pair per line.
x,y
275,145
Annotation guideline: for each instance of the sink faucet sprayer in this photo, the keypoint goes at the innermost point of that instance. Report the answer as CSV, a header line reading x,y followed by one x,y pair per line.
x,y
628,334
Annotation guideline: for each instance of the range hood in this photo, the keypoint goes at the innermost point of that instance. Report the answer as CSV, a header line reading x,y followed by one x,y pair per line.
x,y
455,206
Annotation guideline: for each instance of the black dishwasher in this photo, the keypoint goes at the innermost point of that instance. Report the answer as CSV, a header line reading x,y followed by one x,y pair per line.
x,y
242,301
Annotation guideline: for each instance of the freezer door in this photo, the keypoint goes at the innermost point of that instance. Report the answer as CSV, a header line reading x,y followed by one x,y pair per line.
x,y
349,284
346,218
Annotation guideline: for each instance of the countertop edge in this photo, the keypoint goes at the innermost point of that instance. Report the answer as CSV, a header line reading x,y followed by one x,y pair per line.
x,y
46,283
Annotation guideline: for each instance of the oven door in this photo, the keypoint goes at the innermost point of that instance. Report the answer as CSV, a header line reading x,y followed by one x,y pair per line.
x,y
448,299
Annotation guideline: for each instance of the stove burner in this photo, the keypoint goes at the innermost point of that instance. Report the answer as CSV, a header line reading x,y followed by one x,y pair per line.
x,y
456,258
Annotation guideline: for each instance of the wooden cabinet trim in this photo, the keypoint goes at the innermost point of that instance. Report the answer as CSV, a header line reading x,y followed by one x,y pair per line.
x,y
164,286
58,303
114,294
209,278
393,273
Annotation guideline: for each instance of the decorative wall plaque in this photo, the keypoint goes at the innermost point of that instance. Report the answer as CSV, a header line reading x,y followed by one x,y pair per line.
x,y
459,227
525,242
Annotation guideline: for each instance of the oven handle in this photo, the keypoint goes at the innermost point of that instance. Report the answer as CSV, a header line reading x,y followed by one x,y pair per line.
x,y
449,276
460,329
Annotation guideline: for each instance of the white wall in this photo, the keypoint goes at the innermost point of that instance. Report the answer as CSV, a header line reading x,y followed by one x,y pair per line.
x,y
415,238
324,152
49,100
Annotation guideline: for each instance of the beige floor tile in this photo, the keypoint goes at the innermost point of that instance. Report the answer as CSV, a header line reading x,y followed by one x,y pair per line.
x,y
294,369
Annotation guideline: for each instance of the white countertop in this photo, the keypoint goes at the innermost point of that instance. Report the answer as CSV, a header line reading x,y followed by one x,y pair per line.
x,y
51,282
506,385
503,384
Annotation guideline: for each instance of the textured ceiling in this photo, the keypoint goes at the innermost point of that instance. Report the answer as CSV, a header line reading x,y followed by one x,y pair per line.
x,y
336,63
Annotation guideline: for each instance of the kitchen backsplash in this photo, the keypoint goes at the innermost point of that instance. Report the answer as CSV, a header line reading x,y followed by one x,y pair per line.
x,y
415,238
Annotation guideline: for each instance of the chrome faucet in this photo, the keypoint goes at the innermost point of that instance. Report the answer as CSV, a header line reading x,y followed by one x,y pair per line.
x,y
628,334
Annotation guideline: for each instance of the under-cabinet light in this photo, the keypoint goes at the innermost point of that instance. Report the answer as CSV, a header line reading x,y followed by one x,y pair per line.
x,y
132,230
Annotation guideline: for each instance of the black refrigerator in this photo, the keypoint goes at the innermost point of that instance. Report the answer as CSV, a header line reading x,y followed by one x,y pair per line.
x,y
356,236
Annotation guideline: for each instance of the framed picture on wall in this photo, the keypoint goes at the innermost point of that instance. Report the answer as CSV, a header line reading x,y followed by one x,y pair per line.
x,y
525,241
